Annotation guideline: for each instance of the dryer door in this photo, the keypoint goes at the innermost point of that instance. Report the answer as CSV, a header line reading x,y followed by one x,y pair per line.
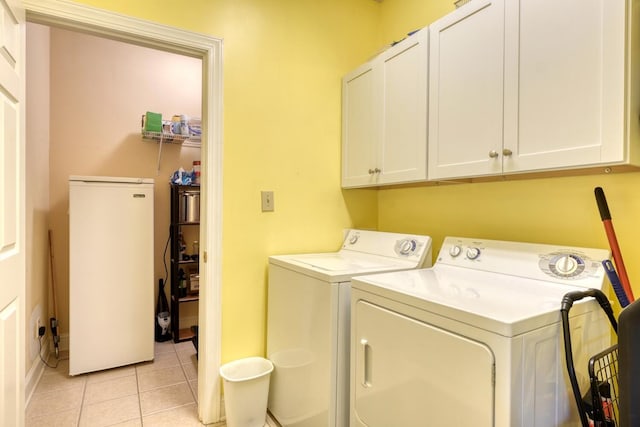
x,y
409,373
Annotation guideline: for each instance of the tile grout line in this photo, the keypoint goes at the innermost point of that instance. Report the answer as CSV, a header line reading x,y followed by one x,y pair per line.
x,y
186,377
82,404
186,381
184,373
84,392
139,395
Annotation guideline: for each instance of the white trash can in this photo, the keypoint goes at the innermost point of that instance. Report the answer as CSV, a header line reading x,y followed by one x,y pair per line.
x,y
246,390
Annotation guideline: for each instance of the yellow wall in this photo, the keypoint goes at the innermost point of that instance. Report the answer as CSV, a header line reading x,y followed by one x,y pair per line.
x,y
552,210
399,17
283,61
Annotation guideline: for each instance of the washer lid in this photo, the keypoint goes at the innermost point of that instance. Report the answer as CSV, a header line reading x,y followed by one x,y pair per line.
x,y
503,304
362,252
339,266
338,262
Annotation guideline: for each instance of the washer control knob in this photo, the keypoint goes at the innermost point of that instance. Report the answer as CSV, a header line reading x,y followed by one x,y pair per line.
x,y
353,239
455,250
407,246
473,252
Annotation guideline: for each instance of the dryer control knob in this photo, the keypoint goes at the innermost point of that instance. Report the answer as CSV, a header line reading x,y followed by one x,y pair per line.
x,y
455,250
566,265
353,239
473,253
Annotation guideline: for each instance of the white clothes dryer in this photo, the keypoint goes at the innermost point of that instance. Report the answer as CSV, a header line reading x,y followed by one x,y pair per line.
x,y
476,340
308,322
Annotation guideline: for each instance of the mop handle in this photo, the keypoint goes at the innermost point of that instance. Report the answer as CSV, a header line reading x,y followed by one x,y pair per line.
x,y
603,207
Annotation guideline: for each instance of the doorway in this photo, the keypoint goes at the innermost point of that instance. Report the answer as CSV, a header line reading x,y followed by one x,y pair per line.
x,y
130,30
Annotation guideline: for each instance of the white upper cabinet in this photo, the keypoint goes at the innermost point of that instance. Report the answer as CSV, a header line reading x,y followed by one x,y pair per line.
x,y
384,117
527,85
360,122
466,75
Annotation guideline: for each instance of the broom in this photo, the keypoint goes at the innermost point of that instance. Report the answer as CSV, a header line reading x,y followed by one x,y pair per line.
x,y
53,321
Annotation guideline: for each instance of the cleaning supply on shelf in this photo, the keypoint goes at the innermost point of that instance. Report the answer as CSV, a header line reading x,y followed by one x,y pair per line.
x,y
195,126
153,122
182,177
184,126
196,171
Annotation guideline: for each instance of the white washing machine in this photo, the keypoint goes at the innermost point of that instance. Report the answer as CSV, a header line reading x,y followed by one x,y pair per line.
x,y
476,340
309,322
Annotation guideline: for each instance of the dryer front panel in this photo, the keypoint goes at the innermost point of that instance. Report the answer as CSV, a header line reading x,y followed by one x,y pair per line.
x,y
409,373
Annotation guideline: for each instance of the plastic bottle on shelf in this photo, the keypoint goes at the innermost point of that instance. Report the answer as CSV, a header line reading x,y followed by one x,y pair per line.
x,y
196,171
182,284
182,245
184,125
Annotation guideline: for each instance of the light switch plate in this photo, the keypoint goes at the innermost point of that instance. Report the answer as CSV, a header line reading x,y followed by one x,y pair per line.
x,y
267,201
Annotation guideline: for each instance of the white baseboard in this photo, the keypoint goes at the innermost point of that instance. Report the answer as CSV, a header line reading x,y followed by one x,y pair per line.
x,y
37,368
35,373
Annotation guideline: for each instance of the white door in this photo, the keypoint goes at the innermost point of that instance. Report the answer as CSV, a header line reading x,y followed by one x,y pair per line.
x,y
466,49
12,214
564,83
403,144
408,373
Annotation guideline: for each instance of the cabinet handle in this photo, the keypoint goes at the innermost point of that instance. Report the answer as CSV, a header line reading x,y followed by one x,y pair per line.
x,y
366,363
493,154
506,152
372,171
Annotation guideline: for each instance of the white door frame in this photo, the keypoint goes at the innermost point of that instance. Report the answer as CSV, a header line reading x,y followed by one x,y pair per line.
x,y
65,14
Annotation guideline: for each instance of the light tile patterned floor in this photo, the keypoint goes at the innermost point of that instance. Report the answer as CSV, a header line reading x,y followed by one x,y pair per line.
x,y
158,393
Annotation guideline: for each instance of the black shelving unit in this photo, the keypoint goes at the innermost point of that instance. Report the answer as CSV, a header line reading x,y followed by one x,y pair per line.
x,y
185,263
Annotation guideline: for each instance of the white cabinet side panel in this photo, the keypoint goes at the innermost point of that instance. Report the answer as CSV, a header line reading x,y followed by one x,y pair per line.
x,y
302,344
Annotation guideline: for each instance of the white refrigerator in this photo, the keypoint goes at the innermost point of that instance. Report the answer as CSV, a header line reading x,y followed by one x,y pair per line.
x,y
111,273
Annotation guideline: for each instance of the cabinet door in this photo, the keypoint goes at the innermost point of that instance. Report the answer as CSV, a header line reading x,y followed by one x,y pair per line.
x,y
564,83
403,144
466,62
360,128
